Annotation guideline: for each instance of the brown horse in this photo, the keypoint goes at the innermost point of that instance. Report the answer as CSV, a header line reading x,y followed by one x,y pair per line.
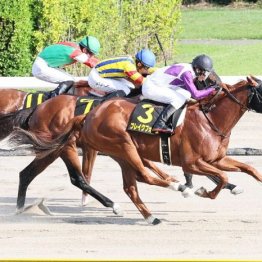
x,y
12,100
48,120
199,145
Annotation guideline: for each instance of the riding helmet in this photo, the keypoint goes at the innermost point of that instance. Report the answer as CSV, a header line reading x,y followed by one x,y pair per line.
x,y
146,57
203,62
91,43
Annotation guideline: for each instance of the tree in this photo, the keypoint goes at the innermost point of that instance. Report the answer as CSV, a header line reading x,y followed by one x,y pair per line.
x,y
15,37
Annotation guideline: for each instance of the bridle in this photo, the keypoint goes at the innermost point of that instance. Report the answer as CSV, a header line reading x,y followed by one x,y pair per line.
x,y
210,105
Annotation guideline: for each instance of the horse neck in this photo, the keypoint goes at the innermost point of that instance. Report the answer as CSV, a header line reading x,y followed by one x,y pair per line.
x,y
227,112
80,91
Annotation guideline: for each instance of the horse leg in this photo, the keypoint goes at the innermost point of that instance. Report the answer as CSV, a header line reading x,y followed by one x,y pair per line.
x,y
160,173
89,156
230,164
130,154
233,188
71,159
27,175
203,168
130,188
188,178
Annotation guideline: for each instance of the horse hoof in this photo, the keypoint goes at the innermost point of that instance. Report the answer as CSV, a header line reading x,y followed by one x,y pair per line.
x,y
189,185
201,192
237,190
156,221
174,186
187,193
117,209
19,211
84,201
153,220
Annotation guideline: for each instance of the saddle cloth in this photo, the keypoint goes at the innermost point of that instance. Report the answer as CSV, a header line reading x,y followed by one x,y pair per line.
x,y
85,104
146,113
34,99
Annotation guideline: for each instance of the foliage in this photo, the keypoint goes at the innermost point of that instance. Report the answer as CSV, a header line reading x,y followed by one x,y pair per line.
x,y
122,26
15,37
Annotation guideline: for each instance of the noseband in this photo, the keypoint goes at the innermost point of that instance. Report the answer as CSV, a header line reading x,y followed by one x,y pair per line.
x,y
208,107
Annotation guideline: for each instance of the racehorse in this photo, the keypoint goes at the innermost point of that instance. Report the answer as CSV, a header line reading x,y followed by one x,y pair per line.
x,y
199,145
12,100
48,120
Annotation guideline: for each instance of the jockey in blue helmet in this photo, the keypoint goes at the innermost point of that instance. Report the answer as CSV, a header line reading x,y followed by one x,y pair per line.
x,y
119,75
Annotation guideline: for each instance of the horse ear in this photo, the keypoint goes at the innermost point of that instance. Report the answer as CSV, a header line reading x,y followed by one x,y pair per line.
x,y
252,80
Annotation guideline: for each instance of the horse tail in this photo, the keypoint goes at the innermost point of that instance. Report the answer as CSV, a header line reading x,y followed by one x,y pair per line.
x,y
41,145
15,119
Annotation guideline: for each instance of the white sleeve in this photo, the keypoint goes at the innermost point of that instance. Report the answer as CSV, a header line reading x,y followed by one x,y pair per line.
x,y
82,58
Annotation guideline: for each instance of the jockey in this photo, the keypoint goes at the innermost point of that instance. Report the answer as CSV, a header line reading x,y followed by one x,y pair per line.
x,y
49,63
174,85
117,76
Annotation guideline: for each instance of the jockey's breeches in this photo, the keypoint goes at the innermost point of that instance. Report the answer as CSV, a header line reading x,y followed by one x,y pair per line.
x,y
176,96
42,71
108,85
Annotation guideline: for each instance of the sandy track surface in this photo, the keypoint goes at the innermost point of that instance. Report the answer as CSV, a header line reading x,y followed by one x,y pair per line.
x,y
229,227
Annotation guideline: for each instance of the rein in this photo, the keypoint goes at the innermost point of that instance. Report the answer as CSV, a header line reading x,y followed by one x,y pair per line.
x,y
210,105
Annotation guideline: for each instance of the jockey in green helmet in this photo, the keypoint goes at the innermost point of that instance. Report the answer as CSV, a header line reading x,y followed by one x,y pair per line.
x,y
50,62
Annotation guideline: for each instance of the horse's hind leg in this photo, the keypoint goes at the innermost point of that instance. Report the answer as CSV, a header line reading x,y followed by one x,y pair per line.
x,y
160,173
27,175
71,159
130,154
230,164
130,188
89,156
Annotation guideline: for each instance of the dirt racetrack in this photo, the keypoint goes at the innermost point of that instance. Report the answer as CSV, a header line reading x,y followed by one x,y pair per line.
x,y
229,227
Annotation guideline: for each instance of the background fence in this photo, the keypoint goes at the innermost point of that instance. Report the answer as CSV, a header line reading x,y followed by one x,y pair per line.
x,y
32,82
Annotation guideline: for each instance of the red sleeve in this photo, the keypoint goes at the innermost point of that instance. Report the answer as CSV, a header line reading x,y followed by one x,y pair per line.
x,y
92,62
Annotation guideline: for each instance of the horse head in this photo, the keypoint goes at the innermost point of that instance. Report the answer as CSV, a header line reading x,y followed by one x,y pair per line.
x,y
255,94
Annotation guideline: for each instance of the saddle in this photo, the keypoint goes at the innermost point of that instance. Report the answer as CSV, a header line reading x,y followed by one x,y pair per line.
x,y
147,112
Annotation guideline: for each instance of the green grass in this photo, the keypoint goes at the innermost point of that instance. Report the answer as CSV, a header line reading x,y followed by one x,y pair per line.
x,y
221,23
228,60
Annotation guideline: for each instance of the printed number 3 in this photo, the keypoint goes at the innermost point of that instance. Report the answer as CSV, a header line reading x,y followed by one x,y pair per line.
x,y
148,113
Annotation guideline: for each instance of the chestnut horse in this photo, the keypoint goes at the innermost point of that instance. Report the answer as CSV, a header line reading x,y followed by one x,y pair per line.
x,y
12,100
48,120
199,145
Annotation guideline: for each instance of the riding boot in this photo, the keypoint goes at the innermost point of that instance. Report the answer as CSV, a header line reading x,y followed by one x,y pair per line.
x,y
160,125
62,88
119,93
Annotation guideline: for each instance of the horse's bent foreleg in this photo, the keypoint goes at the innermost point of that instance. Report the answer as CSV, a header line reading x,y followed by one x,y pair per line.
x,y
160,173
203,168
27,175
233,188
230,164
70,158
89,156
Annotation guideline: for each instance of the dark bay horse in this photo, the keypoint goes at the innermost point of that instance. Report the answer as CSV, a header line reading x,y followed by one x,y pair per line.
x,y
199,145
